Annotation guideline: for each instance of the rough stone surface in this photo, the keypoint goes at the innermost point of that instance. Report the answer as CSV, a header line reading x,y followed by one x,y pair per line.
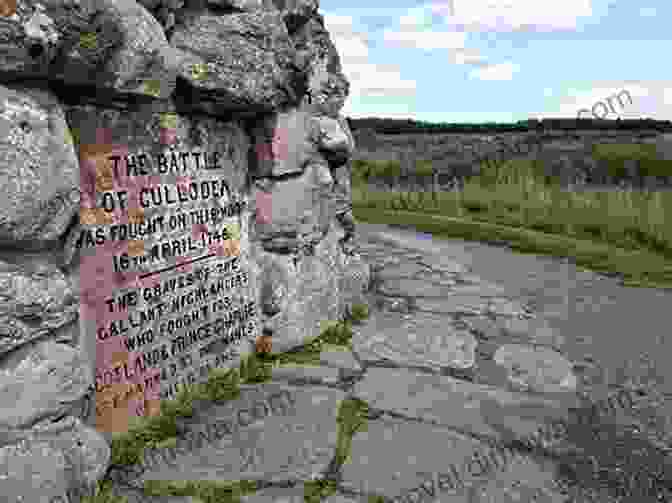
x,y
408,340
297,12
279,432
240,62
304,373
46,383
283,144
277,495
295,216
37,299
118,46
336,138
307,289
340,359
40,176
51,460
538,369
461,405
395,459
327,86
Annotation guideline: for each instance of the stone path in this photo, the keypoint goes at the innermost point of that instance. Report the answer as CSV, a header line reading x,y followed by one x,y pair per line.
x,y
455,375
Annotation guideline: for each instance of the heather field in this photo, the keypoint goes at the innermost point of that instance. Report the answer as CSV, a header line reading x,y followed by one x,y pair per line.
x,y
620,231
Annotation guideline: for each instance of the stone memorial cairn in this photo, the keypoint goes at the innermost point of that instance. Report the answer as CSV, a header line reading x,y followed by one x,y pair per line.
x,y
165,165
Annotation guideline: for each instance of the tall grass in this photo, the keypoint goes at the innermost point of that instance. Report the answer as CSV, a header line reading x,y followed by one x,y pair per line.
x,y
518,193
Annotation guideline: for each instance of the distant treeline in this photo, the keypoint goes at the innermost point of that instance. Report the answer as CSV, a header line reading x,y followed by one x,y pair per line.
x,y
408,126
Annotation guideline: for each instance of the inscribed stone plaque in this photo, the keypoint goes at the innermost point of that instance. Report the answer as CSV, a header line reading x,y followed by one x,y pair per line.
x,y
163,246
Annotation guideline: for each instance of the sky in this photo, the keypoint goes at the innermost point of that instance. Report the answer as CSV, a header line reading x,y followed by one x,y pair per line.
x,y
476,61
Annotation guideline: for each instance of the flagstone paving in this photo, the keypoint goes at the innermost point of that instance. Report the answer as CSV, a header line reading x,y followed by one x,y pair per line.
x,y
455,377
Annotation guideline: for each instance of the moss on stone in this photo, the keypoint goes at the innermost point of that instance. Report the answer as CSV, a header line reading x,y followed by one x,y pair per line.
x,y
315,491
352,418
127,447
359,312
255,369
104,494
224,384
205,491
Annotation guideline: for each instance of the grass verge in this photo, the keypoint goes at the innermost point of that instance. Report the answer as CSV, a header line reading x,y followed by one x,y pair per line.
x,y
640,268
622,232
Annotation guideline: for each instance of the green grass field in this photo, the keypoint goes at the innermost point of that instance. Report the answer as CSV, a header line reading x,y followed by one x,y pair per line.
x,y
622,232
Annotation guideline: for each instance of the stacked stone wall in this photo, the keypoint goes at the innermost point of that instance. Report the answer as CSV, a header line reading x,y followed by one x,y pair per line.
x,y
175,183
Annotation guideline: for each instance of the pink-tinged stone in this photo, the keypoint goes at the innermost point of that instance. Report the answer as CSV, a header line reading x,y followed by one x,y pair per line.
x,y
167,136
264,207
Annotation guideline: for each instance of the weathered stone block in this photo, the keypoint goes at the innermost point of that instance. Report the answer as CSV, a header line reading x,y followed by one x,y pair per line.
x,y
335,137
536,368
354,280
296,211
296,12
111,44
239,62
306,292
39,189
283,144
396,337
47,381
50,462
38,301
327,86
272,432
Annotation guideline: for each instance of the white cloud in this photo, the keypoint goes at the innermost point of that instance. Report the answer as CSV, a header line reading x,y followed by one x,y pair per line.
x,y
366,78
427,40
501,71
510,15
467,57
648,12
414,31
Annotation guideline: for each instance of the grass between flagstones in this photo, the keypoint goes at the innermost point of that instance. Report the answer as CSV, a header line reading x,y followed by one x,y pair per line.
x,y
222,385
